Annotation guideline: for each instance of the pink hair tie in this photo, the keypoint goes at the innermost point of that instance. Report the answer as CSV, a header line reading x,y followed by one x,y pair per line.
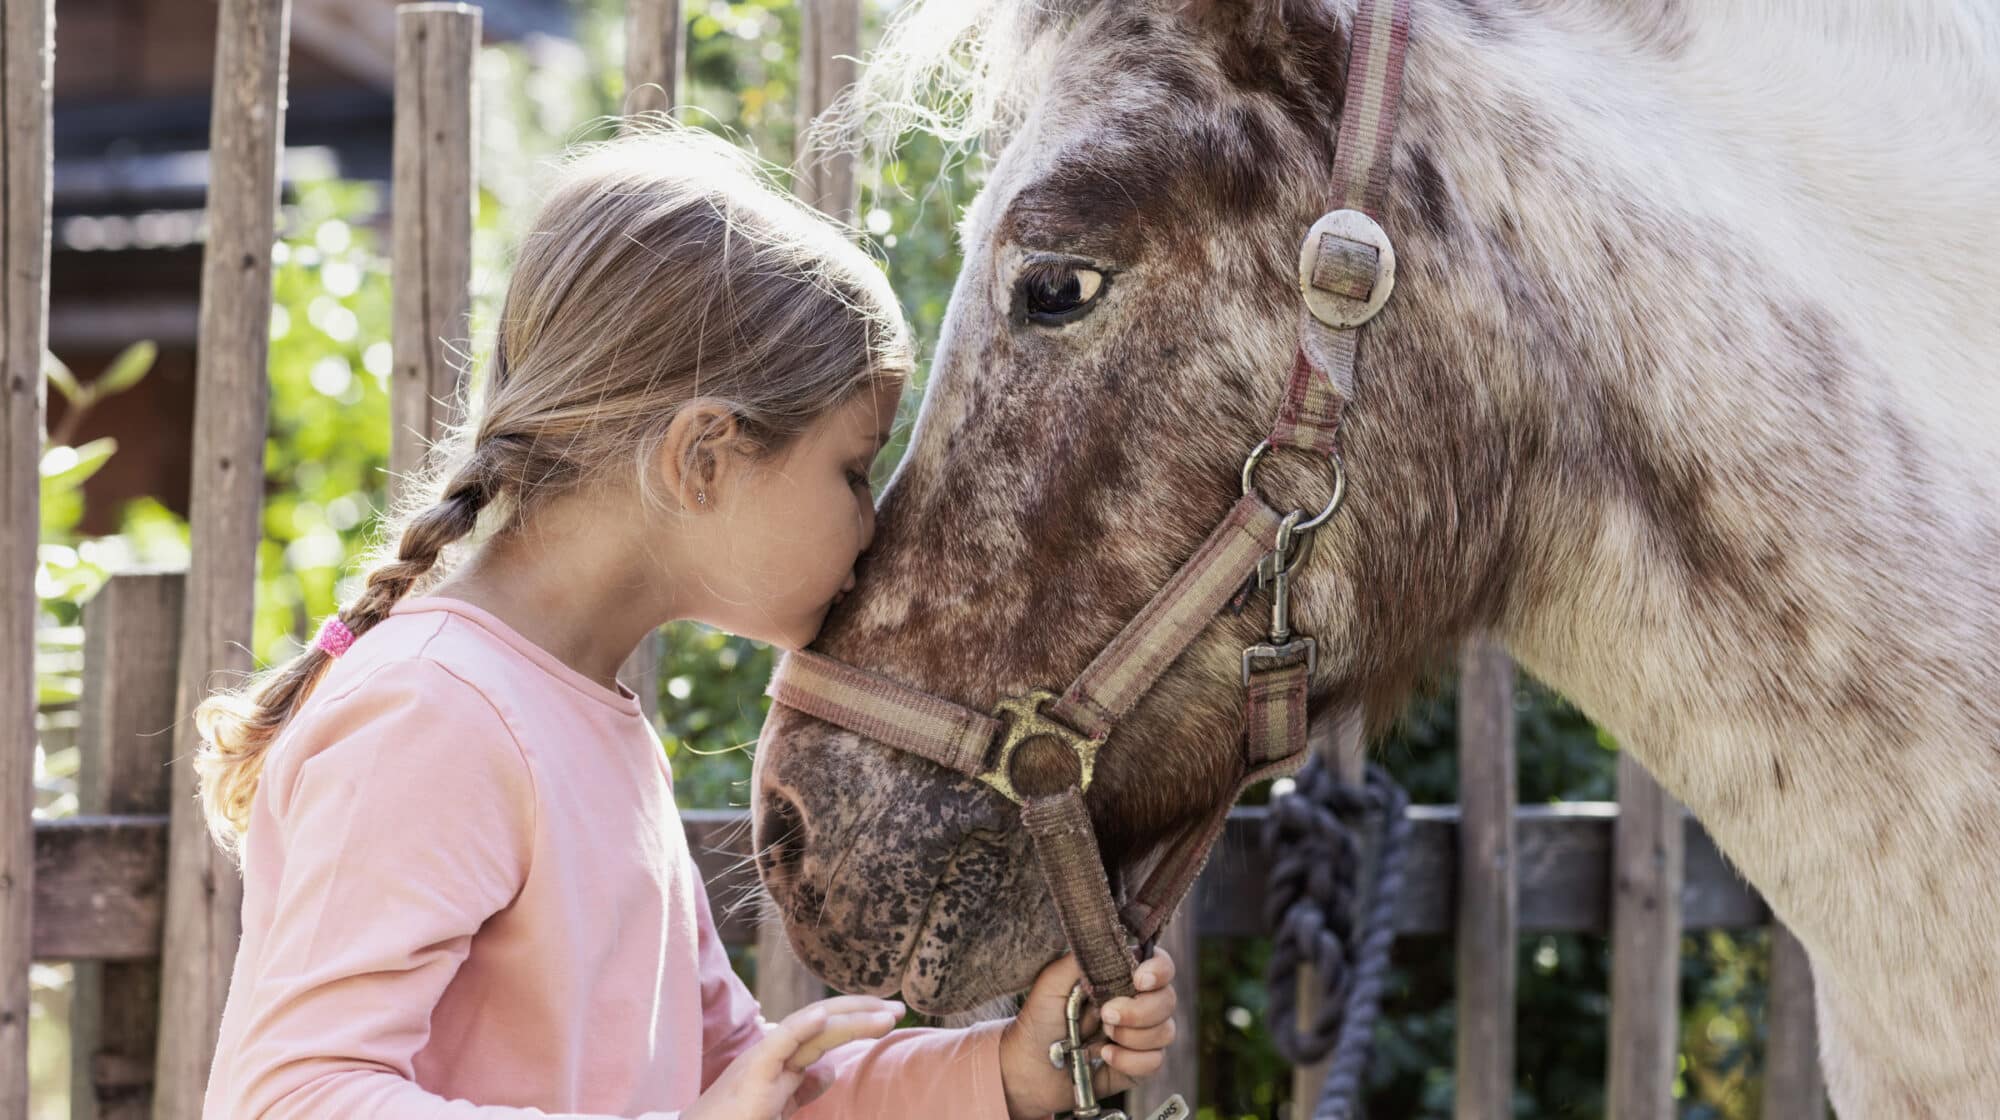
x,y
334,636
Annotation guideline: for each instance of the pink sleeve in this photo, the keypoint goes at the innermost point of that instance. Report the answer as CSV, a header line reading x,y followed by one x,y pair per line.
x,y
407,824
918,1073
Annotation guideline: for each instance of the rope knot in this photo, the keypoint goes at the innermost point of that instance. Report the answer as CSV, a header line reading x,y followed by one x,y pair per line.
x,y
1335,853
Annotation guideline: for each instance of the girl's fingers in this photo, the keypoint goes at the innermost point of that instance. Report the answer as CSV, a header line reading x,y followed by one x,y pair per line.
x,y
1143,1038
844,1005
813,1084
1148,1010
1156,973
839,1030
784,1040
781,1046
1134,1064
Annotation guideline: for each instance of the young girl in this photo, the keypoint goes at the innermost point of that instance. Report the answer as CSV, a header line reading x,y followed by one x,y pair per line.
x,y
466,889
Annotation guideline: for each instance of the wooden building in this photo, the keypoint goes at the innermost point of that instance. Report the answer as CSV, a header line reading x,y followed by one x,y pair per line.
x,y
131,131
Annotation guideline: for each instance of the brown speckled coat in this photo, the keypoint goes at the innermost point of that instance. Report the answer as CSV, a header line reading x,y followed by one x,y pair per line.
x,y
1690,391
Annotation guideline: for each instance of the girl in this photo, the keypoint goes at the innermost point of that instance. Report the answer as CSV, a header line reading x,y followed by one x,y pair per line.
x,y
466,889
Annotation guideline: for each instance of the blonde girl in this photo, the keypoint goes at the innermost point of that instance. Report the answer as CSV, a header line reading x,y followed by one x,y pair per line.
x,y
466,889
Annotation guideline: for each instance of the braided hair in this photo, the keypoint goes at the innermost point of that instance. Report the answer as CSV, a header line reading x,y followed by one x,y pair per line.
x,y
661,268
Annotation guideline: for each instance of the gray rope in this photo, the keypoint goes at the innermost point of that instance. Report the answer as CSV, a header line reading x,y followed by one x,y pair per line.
x,y
1312,837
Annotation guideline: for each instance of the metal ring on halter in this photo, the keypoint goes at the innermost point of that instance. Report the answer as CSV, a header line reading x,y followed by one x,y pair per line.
x,y
1332,505
1023,720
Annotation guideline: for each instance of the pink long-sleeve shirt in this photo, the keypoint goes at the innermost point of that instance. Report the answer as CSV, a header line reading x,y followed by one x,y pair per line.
x,y
467,894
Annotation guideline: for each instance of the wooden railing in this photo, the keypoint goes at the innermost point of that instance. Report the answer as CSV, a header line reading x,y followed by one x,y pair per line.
x,y
134,893
102,883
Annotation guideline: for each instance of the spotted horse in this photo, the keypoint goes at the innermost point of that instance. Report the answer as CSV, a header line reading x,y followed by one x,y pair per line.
x,y
1686,392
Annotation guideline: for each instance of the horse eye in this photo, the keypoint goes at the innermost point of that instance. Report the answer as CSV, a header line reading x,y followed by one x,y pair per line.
x,y
1053,293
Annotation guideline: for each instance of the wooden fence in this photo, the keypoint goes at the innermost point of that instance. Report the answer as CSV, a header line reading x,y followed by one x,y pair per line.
x,y
132,891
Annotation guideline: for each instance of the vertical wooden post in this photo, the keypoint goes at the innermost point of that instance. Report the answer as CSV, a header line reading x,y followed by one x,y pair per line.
x,y
641,673
1647,860
1182,1073
654,55
1487,893
130,639
437,46
831,27
1794,1087
204,894
1338,741
26,59
783,984
655,50
829,46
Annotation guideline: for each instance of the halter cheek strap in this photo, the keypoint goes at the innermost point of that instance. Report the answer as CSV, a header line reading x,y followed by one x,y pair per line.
x,y
1346,273
983,747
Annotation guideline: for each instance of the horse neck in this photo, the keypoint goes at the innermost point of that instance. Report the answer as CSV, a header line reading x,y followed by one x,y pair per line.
x,y
1746,537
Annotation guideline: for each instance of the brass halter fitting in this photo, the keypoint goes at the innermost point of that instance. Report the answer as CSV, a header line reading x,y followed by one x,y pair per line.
x,y
1025,720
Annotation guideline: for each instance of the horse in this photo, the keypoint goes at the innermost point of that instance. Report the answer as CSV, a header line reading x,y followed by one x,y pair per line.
x,y
1687,394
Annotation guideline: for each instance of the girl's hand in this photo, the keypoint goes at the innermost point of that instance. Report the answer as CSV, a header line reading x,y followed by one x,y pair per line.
x,y
778,1075
1140,1027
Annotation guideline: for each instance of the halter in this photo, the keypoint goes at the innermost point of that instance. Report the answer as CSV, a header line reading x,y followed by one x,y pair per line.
x,y
1347,268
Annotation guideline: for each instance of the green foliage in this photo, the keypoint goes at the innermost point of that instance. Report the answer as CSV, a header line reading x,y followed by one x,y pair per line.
x,y
712,703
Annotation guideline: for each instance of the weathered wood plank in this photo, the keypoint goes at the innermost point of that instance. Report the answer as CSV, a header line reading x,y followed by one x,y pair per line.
x,y
641,673
1647,863
99,888
1794,1087
1487,898
1564,875
783,984
829,28
829,45
437,46
130,639
1182,1072
26,60
204,896
1565,858
655,48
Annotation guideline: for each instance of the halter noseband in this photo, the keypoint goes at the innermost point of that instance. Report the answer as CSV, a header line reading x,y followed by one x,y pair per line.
x,y
1346,272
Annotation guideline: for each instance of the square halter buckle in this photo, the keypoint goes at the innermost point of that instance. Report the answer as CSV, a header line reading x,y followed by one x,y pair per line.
x,y
1347,268
1268,656
1025,721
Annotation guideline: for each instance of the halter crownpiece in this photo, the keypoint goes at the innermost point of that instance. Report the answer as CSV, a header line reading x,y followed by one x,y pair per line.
x,y
1347,270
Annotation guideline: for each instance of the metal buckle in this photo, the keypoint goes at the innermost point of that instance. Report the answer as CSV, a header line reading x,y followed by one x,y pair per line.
x,y
1335,241
1332,505
1259,658
1025,720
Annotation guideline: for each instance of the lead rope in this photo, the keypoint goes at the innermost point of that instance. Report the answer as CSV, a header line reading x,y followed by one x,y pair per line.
x,y
1319,885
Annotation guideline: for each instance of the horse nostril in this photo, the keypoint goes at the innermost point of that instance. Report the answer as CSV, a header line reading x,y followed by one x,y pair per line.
x,y
782,847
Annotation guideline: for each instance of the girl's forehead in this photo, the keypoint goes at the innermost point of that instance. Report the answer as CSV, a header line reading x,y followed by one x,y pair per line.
x,y
875,407
868,413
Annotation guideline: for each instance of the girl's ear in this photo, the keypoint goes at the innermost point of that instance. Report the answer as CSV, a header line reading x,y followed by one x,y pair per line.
x,y
705,448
